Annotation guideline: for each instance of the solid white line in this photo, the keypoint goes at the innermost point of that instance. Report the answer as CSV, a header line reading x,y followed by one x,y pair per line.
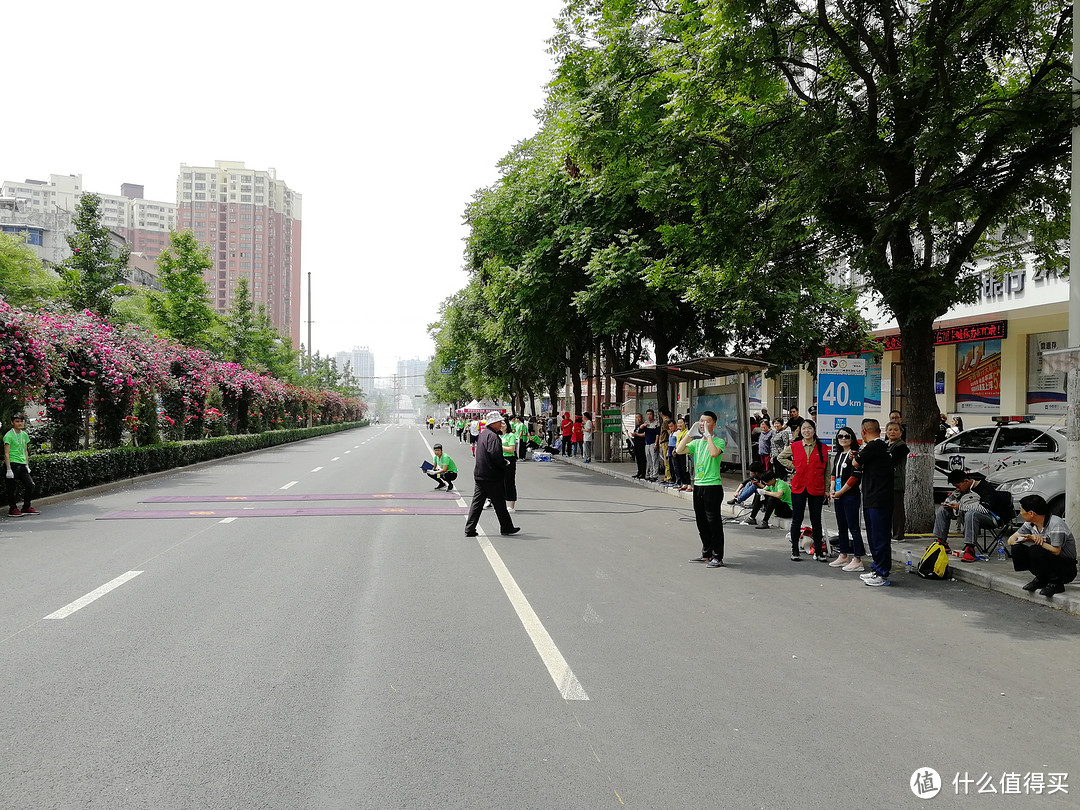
x,y
227,520
290,484
569,686
317,469
347,452
82,602
335,458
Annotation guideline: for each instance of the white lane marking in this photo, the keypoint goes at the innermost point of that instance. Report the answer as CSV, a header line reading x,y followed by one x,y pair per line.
x,y
290,484
83,601
347,452
227,520
591,616
569,686
317,469
335,458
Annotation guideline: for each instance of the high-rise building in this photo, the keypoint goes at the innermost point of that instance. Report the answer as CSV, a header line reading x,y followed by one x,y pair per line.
x,y
144,224
411,376
251,222
362,363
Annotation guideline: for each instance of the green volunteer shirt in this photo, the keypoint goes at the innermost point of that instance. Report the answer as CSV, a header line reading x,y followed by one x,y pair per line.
x,y
509,443
521,430
706,467
445,461
783,488
17,443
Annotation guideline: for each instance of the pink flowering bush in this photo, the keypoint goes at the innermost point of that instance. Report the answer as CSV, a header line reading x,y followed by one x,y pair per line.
x,y
24,361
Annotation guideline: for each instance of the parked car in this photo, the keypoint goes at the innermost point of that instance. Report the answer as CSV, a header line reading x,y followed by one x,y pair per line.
x,y
1046,478
993,448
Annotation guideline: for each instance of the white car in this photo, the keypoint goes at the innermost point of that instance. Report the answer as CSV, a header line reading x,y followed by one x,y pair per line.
x,y
993,448
1046,478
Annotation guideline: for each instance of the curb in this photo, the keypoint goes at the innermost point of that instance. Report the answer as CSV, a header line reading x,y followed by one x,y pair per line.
x,y
1010,584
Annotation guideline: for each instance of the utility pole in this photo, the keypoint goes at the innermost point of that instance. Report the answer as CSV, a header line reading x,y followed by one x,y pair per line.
x,y
310,415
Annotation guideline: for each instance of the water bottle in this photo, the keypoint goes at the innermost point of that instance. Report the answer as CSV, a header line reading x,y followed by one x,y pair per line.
x,y
909,566
1001,555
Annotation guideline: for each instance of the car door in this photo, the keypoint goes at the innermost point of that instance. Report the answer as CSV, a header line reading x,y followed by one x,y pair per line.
x,y
968,450
1019,444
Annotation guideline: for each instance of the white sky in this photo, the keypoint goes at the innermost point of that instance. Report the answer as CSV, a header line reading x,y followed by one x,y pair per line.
x,y
385,116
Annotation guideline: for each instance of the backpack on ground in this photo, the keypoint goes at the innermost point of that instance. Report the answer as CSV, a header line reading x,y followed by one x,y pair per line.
x,y
934,563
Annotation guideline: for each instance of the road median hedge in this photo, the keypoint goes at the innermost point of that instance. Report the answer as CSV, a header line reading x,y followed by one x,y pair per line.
x,y
55,473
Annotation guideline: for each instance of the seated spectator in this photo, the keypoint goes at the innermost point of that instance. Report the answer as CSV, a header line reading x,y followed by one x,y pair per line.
x,y
1044,546
747,490
975,503
776,494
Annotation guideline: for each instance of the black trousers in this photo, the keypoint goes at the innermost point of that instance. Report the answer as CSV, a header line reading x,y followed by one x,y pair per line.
x,y
495,491
444,478
510,481
22,476
639,457
1041,563
775,506
708,502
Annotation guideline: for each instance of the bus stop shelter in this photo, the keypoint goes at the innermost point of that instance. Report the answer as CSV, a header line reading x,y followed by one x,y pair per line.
x,y
701,370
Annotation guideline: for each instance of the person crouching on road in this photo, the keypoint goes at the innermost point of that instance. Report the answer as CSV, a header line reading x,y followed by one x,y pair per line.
x,y
445,472
1045,546
489,474
707,451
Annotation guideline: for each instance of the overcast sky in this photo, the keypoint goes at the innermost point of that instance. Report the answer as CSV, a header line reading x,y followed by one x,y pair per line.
x,y
385,116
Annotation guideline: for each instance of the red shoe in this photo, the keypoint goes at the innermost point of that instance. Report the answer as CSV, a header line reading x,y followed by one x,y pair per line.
x,y
15,512
31,511
968,555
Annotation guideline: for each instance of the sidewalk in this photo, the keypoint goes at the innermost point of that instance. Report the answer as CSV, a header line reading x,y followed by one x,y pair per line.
x,y
992,574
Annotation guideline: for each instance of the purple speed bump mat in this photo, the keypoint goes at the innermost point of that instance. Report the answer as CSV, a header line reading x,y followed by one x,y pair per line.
x,y
316,511
333,496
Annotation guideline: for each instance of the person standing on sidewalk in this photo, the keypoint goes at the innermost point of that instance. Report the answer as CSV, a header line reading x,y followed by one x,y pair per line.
x,y
845,497
898,449
876,467
707,451
586,437
489,474
567,428
17,464
652,450
637,442
810,461
1045,546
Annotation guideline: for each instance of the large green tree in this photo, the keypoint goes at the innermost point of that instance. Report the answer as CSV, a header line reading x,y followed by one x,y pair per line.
x,y
93,277
182,310
24,281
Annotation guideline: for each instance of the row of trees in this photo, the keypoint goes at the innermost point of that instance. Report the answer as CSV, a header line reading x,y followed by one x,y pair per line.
x,y
743,177
91,351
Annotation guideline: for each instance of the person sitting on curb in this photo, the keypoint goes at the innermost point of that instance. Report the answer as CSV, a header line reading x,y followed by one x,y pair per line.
x,y
1044,546
748,489
976,504
445,471
777,496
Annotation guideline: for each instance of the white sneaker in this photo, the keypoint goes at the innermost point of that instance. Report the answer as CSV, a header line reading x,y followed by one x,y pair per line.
x,y
511,509
489,505
876,581
867,576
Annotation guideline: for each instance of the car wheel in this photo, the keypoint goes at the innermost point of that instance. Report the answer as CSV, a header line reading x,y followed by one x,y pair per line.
x,y
1057,506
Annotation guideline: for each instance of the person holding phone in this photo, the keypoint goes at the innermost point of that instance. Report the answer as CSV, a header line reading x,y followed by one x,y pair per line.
x,y
1045,546
846,500
707,450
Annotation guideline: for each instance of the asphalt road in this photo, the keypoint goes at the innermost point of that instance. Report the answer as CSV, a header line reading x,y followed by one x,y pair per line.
x,y
383,660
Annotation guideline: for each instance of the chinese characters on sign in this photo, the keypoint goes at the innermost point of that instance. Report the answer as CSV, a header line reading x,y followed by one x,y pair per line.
x,y
991,330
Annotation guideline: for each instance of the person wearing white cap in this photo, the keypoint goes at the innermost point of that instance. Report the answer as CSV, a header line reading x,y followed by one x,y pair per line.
x,y
489,473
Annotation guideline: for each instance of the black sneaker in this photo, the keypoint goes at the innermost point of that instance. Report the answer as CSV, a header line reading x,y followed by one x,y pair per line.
x,y
702,558
795,557
1034,585
470,534
1052,588
732,502
764,526
440,486
450,488
514,530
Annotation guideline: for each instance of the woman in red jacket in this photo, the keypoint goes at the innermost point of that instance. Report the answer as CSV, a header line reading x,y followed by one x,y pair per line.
x,y
567,426
577,435
810,461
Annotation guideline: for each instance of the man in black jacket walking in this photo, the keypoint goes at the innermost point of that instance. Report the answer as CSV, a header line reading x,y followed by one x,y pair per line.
x,y
489,472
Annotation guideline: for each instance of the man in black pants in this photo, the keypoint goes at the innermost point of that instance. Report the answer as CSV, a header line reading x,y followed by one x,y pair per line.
x,y
489,473
637,439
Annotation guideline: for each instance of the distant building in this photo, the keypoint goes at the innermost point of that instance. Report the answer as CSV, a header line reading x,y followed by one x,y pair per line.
x,y
251,222
362,363
411,376
144,224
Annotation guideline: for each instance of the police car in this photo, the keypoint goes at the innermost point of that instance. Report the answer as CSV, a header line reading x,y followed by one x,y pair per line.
x,y
1011,441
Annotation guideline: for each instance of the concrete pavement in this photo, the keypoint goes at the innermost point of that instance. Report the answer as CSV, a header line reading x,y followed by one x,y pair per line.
x,y
993,574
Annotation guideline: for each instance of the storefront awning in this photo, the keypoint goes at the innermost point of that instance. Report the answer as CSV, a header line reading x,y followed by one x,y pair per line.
x,y
695,370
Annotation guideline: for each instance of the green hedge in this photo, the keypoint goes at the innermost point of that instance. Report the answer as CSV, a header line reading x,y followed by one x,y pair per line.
x,y
66,472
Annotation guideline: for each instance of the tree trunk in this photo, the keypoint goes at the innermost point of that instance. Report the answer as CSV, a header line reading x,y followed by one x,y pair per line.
x,y
532,402
553,395
663,402
921,416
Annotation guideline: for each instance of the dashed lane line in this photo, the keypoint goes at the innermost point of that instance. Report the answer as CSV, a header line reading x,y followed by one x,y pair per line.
x,y
94,595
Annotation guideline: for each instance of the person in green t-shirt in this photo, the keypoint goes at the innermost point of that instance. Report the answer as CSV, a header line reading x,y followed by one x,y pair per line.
x,y
17,464
445,471
707,451
777,496
509,448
